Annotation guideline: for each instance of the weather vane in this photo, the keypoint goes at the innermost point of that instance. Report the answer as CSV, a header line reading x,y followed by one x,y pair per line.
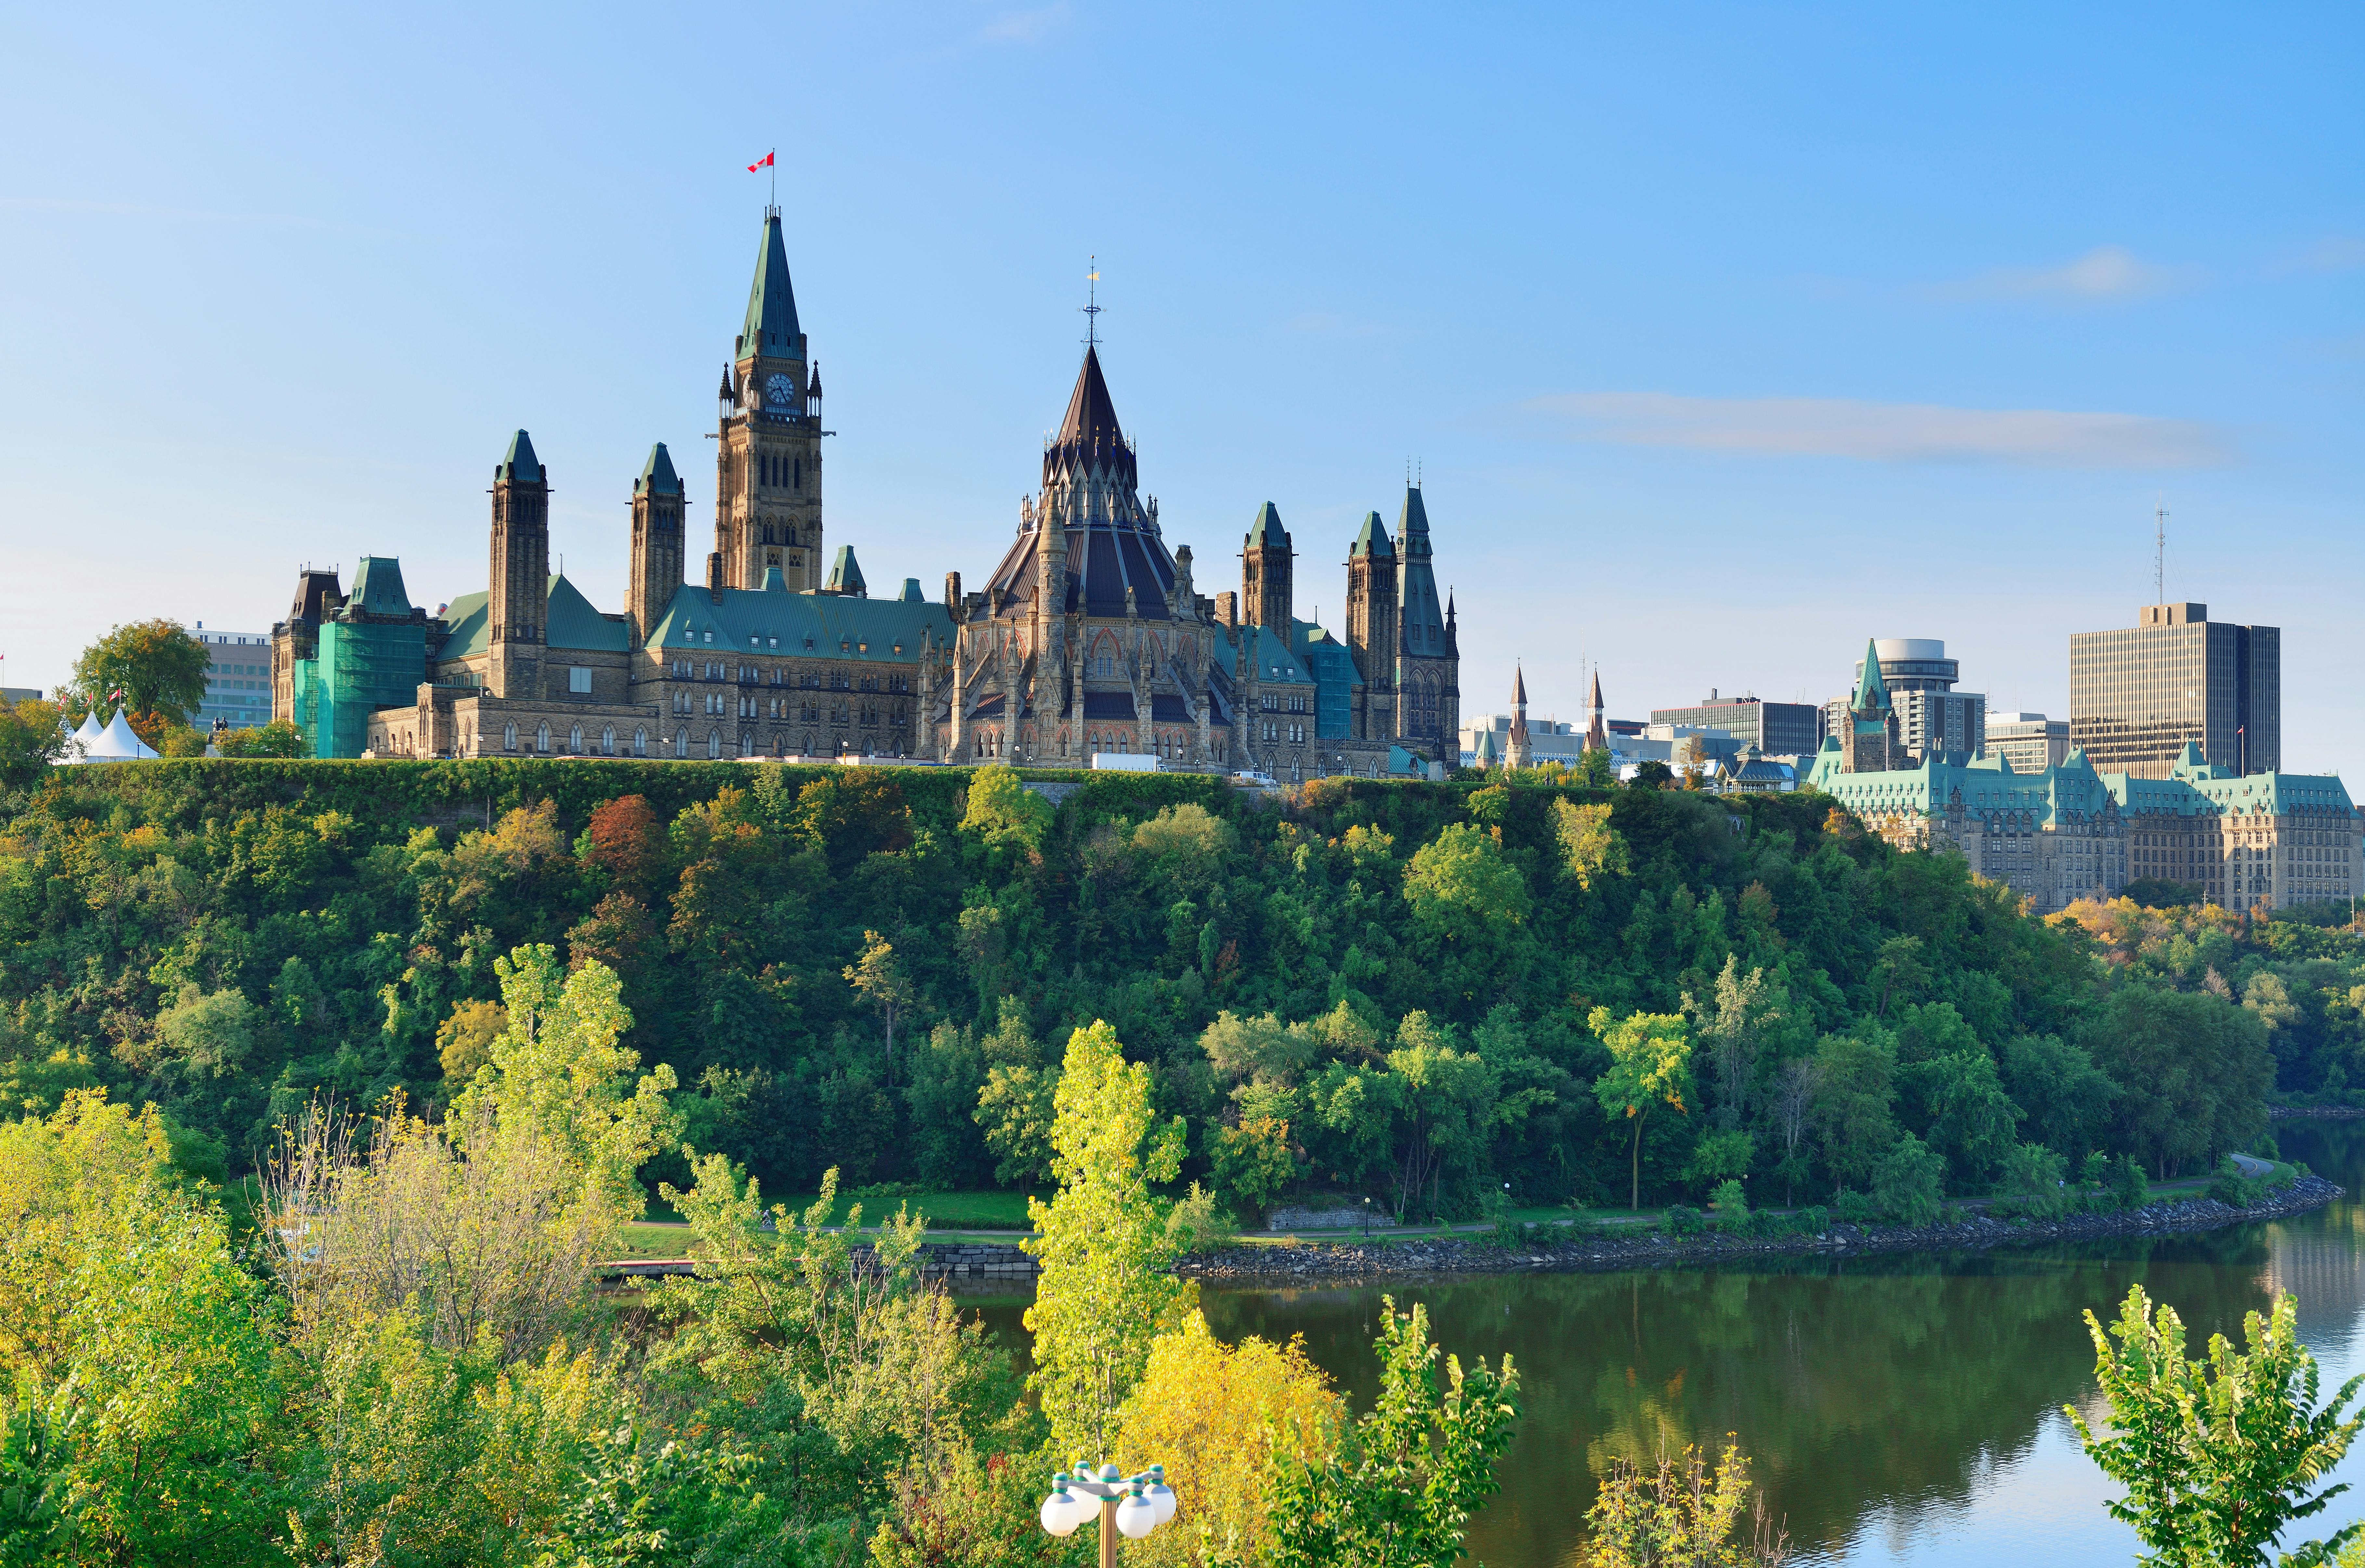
x,y
1092,307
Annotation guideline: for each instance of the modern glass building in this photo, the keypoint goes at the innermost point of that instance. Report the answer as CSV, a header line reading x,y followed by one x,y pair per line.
x,y
2138,695
238,682
1779,729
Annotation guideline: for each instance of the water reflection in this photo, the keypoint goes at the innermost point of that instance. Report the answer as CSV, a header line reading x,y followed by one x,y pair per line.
x,y
1899,1410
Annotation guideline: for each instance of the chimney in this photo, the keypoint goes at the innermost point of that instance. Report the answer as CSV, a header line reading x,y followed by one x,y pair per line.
x,y
1228,609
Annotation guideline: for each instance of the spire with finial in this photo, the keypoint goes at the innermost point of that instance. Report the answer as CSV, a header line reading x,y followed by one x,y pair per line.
x,y
1596,732
1518,753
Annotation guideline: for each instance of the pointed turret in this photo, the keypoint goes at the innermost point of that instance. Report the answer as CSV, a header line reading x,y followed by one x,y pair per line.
x,y
657,478
1597,728
518,596
1871,692
1091,415
659,554
1373,541
846,575
1417,600
1869,742
1517,753
1268,573
519,464
772,326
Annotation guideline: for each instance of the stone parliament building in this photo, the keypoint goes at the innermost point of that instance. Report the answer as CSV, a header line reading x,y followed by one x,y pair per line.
x,y
1089,637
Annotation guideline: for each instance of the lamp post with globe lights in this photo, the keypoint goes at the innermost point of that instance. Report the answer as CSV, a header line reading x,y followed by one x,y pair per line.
x,y
1131,1505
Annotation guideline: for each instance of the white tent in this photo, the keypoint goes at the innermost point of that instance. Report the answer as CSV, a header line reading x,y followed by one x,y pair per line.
x,y
117,743
79,743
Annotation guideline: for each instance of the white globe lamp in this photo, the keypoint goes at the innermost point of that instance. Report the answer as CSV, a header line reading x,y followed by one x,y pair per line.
x,y
1063,1511
1161,1497
1136,1517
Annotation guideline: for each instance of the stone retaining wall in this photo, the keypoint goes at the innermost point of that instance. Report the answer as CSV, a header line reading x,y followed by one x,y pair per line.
x,y
1328,1219
1609,1250
977,1261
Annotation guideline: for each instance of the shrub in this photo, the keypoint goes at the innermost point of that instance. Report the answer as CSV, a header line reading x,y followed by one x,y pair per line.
x,y
2128,1186
2029,1182
1198,1223
1907,1183
1813,1221
2227,1186
1682,1219
1858,1209
1730,1202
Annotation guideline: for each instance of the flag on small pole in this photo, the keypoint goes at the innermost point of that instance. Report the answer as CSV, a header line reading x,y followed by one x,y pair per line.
x,y
766,163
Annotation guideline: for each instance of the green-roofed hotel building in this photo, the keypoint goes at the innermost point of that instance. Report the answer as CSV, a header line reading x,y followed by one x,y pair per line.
x,y
1088,637
2257,841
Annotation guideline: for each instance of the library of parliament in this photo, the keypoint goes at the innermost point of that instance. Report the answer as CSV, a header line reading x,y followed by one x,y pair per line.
x,y
1090,634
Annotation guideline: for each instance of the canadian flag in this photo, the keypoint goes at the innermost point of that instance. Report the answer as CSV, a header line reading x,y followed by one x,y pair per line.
x,y
763,162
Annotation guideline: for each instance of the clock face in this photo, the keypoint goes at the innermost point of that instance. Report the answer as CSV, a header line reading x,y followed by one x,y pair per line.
x,y
779,390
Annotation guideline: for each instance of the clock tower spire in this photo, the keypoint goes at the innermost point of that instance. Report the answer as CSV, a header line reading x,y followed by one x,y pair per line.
x,y
767,480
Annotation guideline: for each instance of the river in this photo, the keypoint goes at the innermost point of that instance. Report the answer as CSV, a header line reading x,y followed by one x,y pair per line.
x,y
1897,1410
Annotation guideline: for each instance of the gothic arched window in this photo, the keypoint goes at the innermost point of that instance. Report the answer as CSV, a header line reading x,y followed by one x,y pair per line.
x,y
575,741
607,739
640,742
509,737
713,745
542,737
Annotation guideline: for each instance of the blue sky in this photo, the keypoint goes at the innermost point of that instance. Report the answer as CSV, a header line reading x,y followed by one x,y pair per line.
x,y
1725,336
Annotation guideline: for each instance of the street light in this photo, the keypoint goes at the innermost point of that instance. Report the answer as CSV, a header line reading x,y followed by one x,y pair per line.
x,y
1130,1505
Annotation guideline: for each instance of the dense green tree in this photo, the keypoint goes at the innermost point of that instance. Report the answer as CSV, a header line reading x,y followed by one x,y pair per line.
x,y
32,735
1415,1466
1650,1066
2218,1457
151,671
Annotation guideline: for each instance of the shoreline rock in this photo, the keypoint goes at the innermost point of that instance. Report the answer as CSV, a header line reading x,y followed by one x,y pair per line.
x,y
1612,1252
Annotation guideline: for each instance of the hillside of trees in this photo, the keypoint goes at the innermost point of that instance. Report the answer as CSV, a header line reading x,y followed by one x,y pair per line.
x,y
1426,993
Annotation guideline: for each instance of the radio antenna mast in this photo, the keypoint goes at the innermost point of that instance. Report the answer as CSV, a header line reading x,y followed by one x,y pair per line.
x,y
2159,553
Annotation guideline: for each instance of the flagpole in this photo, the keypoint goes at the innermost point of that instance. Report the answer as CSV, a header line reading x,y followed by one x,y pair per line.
x,y
772,163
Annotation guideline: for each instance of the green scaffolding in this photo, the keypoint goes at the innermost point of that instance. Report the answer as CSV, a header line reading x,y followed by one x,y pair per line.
x,y
360,669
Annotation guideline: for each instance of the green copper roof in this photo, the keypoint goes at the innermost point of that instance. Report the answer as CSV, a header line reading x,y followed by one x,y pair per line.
x,y
2072,790
1871,692
1373,540
846,573
574,624
887,631
519,463
912,594
657,478
1266,532
771,325
1264,653
377,587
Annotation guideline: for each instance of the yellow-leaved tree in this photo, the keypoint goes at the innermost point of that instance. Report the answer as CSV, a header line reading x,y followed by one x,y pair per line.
x,y
1220,1417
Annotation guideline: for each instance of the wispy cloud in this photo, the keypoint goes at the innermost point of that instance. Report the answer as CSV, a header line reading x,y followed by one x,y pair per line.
x,y
1892,433
2104,273
1025,27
